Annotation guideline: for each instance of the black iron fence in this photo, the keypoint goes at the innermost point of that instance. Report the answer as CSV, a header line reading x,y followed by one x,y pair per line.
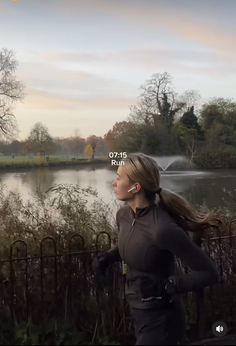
x,y
58,284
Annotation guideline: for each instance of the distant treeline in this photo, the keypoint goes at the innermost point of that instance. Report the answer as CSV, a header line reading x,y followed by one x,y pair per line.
x,y
161,123
72,146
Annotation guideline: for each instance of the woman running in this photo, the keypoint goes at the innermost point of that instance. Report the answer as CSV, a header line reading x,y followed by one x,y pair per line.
x,y
153,226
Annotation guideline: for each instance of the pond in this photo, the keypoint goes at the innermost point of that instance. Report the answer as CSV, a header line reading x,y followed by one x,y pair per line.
x,y
213,189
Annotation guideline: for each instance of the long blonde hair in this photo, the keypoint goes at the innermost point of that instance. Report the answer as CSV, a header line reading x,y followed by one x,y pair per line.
x,y
144,169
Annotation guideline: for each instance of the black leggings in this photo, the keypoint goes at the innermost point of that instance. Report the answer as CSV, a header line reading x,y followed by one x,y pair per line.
x,y
164,326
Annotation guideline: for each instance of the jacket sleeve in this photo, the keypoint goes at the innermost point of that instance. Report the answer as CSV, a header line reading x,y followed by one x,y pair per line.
x,y
113,254
203,271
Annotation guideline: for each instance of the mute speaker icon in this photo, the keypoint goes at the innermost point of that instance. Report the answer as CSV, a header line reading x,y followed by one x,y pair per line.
x,y
219,328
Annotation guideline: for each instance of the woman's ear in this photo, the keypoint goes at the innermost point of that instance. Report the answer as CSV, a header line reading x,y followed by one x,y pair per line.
x,y
138,187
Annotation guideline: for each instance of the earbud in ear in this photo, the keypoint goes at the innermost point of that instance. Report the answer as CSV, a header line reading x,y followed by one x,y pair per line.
x,y
132,189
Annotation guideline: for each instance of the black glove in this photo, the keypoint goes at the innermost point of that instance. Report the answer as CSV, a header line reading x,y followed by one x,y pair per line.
x,y
170,288
100,263
159,290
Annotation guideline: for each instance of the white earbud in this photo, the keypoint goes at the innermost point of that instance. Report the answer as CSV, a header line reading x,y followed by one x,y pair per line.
x,y
132,189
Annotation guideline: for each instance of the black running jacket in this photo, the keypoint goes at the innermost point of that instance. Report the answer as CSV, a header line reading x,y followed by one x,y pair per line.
x,y
149,241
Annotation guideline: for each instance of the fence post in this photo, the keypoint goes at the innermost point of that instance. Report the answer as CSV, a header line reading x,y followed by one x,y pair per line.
x,y
101,302
42,270
201,318
12,280
69,291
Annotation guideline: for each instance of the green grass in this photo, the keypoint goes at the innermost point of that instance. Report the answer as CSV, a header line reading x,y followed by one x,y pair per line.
x,y
12,162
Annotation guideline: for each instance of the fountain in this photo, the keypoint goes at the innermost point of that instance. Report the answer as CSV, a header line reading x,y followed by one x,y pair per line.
x,y
165,162
176,165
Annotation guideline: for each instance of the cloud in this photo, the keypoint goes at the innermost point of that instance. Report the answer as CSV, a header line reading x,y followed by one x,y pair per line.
x,y
190,60
67,80
182,22
38,99
207,35
70,56
136,55
41,100
114,103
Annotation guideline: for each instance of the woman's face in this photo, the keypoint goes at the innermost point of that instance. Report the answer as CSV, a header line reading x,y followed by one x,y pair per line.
x,y
122,185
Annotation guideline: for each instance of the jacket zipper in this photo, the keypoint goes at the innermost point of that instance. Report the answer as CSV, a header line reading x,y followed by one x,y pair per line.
x,y
124,265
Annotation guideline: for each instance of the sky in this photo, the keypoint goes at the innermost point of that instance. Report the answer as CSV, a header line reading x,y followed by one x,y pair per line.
x,y
82,62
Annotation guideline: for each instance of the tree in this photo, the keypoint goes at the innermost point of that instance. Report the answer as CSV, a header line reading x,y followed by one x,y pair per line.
x,y
191,98
13,148
188,139
39,140
189,132
11,90
157,109
89,151
113,136
190,120
75,145
218,120
158,102
101,149
92,140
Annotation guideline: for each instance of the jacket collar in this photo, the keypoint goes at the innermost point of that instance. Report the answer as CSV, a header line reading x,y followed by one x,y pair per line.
x,y
141,211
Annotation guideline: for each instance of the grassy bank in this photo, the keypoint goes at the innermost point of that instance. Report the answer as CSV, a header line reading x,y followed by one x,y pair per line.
x,y
15,162
204,160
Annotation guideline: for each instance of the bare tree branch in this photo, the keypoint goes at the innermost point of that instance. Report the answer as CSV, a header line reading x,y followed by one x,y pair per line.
x,y
11,90
158,102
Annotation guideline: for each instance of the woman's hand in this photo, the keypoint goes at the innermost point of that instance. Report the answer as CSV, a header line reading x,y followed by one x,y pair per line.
x,y
100,263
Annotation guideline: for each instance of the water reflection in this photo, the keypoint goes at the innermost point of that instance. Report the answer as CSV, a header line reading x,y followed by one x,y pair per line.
x,y
211,189
214,192
39,180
